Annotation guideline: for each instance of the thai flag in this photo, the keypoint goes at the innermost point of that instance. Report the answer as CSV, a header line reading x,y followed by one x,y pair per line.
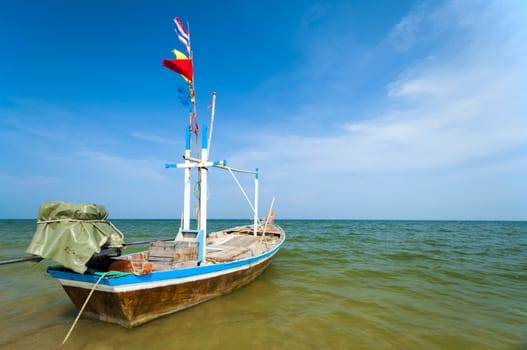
x,y
182,34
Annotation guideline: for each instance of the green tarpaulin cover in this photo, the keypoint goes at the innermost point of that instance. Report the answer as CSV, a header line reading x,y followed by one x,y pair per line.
x,y
70,233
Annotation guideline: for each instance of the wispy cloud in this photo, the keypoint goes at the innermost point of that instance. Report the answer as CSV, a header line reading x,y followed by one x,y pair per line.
x,y
131,186
10,180
152,138
55,152
447,107
452,109
130,169
433,108
405,33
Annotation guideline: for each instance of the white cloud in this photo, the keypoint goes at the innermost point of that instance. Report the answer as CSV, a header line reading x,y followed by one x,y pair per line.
x,y
152,138
451,103
455,110
147,171
404,34
446,108
31,181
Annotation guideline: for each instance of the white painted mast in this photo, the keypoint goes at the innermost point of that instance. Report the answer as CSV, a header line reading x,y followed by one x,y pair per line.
x,y
186,192
256,202
203,191
188,143
211,121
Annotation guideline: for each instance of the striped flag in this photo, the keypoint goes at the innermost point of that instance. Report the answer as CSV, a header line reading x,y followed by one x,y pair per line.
x,y
182,34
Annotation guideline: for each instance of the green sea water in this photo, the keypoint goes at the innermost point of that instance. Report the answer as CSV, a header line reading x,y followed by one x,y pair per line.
x,y
334,285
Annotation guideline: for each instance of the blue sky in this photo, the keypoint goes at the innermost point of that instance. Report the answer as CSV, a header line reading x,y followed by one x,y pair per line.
x,y
351,109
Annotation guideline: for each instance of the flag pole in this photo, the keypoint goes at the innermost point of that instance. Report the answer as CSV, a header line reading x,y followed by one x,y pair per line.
x,y
267,220
211,122
195,121
194,118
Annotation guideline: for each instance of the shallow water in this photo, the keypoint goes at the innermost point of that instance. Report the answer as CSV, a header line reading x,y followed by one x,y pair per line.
x,y
334,284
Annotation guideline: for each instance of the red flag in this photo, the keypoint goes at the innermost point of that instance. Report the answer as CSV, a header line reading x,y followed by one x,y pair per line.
x,y
183,67
194,127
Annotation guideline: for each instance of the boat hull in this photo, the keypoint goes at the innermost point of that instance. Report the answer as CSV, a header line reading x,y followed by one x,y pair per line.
x,y
130,305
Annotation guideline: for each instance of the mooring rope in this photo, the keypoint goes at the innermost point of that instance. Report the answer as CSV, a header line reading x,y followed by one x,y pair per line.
x,y
83,307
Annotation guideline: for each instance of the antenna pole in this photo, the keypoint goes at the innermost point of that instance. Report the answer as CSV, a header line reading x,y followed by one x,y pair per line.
x,y
211,122
256,202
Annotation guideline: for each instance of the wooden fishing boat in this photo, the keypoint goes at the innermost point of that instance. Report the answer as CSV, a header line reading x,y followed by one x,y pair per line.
x,y
169,275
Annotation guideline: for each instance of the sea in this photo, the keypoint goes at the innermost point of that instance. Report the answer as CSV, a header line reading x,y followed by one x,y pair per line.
x,y
335,284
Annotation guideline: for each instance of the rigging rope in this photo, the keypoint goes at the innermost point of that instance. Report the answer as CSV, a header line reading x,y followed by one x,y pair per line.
x,y
79,220
241,188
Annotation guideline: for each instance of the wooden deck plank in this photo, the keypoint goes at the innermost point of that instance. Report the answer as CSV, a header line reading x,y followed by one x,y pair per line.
x,y
233,248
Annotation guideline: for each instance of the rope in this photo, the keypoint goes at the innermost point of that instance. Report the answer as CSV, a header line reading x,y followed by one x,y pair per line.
x,y
115,228
87,221
78,220
241,188
82,309
69,220
234,169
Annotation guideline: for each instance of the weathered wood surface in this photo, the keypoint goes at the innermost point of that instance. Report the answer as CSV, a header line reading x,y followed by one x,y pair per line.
x,y
173,251
234,248
240,243
133,308
270,230
161,251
